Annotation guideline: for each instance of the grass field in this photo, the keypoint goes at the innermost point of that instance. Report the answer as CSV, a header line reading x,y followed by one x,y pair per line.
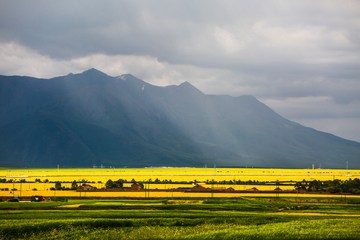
x,y
239,218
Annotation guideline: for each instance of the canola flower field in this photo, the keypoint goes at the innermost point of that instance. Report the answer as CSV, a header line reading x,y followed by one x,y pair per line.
x,y
97,177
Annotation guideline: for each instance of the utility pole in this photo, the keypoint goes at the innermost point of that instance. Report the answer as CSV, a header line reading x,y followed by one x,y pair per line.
x,y
214,168
347,168
20,187
13,188
101,167
212,189
277,190
94,167
145,189
343,191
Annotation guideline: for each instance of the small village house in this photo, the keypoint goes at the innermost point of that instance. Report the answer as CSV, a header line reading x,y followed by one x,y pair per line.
x,y
85,188
135,187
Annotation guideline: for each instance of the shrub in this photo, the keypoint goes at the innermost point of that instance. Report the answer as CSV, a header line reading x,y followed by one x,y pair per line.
x,y
333,190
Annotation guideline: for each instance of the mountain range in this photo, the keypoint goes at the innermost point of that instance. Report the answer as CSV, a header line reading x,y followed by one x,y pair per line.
x,y
91,118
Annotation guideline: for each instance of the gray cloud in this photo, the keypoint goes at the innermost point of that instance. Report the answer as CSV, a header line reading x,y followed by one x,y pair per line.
x,y
286,53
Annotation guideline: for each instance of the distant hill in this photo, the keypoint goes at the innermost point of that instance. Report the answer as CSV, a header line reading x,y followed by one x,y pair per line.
x,y
92,118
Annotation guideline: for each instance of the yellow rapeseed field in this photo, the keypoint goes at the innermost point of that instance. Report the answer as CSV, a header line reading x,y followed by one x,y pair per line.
x,y
98,178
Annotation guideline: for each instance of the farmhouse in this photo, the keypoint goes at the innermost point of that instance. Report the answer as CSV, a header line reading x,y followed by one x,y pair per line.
x,y
254,189
199,188
135,187
85,188
230,189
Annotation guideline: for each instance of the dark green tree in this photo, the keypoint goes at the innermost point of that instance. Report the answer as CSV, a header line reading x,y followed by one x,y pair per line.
x,y
118,183
58,185
298,185
109,184
74,185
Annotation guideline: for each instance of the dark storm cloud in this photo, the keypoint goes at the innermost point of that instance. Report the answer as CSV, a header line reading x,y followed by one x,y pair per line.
x,y
279,51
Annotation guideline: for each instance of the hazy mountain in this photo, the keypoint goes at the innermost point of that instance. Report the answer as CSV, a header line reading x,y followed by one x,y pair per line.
x,y
92,118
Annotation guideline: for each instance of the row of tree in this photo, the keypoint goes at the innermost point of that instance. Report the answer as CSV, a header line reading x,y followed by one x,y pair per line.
x,y
37,180
334,186
58,186
4,180
156,181
120,183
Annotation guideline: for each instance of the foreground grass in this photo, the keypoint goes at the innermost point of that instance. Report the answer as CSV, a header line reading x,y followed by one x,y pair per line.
x,y
298,229
244,227
212,219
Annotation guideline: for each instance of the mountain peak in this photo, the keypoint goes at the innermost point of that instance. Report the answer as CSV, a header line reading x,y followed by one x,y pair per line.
x,y
127,76
93,71
186,86
186,83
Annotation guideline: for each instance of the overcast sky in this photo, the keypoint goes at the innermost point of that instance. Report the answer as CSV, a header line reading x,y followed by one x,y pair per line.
x,y
301,58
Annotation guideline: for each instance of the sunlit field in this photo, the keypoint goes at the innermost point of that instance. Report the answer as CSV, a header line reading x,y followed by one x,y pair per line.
x,y
220,218
177,214
97,177
201,174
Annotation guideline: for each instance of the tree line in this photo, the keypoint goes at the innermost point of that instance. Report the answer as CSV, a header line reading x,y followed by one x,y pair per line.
x,y
158,181
331,186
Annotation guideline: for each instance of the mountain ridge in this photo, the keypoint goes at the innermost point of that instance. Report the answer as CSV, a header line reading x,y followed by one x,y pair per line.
x,y
92,118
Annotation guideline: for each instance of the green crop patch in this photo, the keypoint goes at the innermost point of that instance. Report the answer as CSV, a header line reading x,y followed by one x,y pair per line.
x,y
241,218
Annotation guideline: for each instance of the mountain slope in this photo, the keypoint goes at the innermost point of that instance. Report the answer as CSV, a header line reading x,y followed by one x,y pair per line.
x,y
92,118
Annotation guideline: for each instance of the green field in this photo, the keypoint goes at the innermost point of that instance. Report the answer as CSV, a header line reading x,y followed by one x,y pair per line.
x,y
238,218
